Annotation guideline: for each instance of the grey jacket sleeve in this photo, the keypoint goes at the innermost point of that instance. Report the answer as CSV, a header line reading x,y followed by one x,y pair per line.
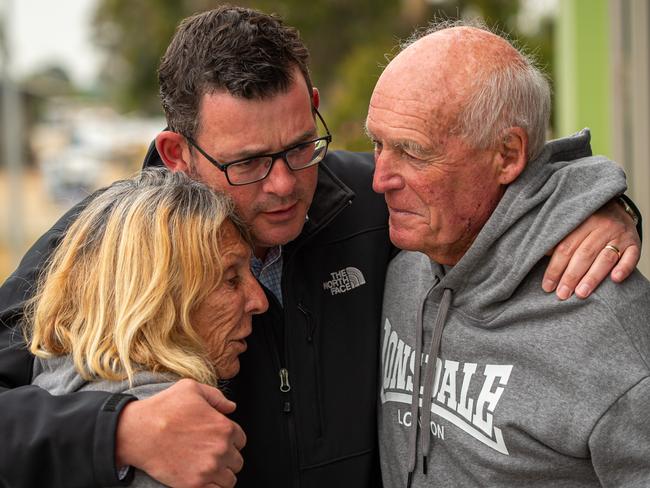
x,y
620,442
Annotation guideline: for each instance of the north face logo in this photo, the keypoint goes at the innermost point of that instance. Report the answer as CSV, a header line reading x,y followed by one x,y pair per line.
x,y
344,280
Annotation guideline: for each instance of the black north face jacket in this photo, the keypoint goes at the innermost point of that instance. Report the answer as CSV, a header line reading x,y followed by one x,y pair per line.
x,y
306,392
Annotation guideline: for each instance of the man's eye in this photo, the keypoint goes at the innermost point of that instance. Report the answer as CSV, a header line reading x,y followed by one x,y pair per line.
x,y
249,165
304,149
255,162
302,154
407,156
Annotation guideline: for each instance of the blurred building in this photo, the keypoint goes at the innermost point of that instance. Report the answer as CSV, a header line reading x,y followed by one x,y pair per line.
x,y
603,82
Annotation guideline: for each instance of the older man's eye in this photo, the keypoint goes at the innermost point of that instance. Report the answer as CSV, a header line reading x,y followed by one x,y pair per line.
x,y
412,159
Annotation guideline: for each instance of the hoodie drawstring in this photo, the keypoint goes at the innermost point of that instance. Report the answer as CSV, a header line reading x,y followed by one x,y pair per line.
x,y
413,433
434,350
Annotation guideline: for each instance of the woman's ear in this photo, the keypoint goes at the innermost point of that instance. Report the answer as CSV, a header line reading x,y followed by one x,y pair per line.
x,y
171,147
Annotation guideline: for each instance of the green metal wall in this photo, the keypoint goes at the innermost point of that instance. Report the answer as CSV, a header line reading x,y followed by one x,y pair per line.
x,y
582,81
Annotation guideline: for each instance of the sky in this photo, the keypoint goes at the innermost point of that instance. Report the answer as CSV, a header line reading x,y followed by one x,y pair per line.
x,y
49,32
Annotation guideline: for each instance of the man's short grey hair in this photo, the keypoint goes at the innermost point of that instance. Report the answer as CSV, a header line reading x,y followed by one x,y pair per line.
x,y
518,95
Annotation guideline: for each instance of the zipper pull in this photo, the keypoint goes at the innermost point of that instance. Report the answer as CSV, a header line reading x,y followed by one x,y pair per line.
x,y
284,380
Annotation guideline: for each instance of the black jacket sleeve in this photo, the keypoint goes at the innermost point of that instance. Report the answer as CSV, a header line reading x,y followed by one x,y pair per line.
x,y
45,440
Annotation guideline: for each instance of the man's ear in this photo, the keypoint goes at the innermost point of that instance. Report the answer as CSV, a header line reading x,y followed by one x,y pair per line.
x,y
511,154
315,98
173,150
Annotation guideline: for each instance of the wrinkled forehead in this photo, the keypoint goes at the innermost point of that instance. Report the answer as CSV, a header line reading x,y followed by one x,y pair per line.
x,y
232,243
409,88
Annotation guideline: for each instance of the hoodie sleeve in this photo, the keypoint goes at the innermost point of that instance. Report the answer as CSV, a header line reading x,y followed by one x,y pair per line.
x,y
59,441
620,442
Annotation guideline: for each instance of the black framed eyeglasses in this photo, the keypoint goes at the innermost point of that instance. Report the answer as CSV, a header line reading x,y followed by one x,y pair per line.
x,y
253,169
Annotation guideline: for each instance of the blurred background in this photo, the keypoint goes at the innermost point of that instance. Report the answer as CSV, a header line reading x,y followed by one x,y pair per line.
x,y
79,106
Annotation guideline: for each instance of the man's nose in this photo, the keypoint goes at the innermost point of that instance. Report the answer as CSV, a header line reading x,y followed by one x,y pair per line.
x,y
385,177
281,180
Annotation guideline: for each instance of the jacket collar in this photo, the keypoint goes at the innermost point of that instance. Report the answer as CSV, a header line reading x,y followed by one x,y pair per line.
x,y
330,198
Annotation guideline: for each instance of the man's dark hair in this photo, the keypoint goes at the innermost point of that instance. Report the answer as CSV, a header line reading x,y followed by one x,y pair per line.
x,y
245,52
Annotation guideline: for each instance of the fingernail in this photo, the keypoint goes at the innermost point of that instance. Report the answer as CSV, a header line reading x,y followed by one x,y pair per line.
x,y
618,275
563,292
583,291
548,285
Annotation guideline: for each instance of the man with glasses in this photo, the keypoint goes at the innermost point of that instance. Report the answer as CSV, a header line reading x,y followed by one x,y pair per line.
x,y
248,170
243,117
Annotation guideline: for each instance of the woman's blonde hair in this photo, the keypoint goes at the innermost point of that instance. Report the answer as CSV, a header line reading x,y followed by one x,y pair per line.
x,y
121,289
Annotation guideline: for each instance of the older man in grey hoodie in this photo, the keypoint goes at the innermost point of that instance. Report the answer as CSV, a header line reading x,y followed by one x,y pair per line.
x,y
514,388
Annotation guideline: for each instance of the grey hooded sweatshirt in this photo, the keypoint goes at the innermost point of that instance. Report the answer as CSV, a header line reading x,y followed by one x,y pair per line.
x,y
517,388
59,376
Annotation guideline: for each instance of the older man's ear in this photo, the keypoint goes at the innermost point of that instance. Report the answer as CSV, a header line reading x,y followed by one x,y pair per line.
x,y
510,156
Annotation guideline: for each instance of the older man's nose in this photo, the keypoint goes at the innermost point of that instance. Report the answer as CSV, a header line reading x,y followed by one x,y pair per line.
x,y
385,177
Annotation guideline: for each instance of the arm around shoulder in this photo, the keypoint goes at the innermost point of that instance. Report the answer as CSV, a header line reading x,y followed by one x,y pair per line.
x,y
61,441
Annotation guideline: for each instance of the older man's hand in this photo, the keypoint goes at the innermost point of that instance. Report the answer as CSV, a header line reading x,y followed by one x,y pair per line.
x,y
582,261
181,437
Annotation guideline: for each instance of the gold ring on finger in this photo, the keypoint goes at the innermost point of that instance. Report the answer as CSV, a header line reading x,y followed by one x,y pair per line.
x,y
615,249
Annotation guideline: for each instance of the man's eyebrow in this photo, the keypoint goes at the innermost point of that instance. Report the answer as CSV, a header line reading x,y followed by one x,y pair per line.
x,y
412,147
305,136
367,131
250,153
405,144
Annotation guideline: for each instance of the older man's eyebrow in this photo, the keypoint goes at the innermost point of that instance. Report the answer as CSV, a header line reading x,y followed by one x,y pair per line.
x,y
367,131
412,147
406,145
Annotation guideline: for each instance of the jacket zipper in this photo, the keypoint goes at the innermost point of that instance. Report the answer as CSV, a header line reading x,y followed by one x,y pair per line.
x,y
285,390
284,385
310,327
287,268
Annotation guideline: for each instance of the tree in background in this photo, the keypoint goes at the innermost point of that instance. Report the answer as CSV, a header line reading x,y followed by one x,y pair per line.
x,y
134,35
348,41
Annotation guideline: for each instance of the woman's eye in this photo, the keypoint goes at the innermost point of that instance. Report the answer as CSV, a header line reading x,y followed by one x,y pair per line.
x,y
233,281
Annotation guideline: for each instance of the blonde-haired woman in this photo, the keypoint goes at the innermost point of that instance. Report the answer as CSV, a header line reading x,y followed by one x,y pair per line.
x,y
151,284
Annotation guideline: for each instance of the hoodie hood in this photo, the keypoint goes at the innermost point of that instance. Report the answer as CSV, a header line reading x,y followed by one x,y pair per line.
x,y
551,197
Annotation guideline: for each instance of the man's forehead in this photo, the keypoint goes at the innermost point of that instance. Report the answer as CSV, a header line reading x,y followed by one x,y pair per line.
x,y
409,112
236,127
433,78
297,87
291,102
